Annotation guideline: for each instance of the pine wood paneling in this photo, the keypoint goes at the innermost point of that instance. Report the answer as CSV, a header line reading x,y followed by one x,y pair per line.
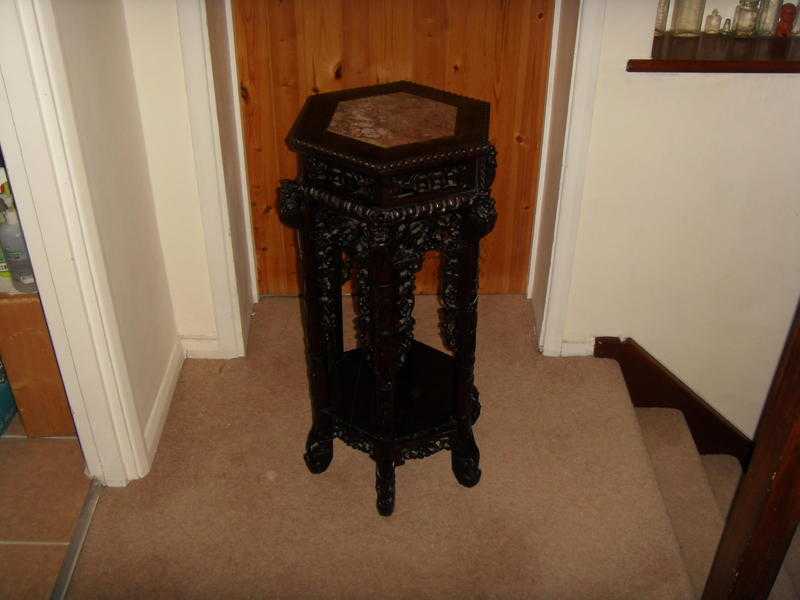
x,y
495,50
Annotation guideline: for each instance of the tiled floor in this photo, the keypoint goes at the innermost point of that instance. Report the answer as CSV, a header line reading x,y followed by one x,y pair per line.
x,y
42,489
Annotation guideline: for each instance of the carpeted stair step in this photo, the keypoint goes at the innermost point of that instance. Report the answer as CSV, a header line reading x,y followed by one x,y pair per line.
x,y
724,472
684,486
697,492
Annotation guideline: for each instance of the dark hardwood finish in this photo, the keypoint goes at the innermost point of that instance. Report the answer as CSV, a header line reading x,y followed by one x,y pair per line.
x,y
720,54
651,384
370,213
712,66
766,510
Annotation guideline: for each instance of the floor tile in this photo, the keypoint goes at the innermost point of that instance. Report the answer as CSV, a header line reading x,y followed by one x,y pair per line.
x,y
29,571
42,488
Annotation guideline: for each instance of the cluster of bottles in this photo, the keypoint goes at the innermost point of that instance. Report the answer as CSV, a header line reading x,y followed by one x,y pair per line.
x,y
752,18
15,263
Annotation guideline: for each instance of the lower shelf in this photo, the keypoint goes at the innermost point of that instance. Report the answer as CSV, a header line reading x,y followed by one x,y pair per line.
x,y
425,400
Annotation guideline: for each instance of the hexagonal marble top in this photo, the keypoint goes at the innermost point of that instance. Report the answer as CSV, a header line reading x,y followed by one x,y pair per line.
x,y
393,119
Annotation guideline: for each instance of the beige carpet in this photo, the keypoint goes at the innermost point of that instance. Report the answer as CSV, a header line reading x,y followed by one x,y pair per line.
x,y
568,506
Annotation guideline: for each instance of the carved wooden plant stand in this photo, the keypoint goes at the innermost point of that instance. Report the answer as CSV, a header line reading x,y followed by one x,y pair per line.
x,y
388,173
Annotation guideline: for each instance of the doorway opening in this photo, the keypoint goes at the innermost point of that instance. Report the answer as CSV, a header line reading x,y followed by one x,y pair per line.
x,y
493,51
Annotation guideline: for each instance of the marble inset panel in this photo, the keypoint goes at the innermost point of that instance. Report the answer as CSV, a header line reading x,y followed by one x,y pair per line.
x,y
393,119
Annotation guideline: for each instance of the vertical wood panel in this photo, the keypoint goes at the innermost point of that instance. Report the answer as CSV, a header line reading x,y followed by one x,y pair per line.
x,y
495,50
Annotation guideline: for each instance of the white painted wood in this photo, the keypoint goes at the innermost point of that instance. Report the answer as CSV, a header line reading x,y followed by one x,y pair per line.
x,y
158,416
248,217
578,138
210,179
37,132
548,113
577,348
231,149
202,346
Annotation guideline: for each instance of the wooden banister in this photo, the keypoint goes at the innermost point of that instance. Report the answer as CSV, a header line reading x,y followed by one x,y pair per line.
x,y
766,509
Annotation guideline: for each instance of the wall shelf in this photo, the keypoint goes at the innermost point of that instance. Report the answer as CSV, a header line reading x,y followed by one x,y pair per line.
x,y
720,54
713,66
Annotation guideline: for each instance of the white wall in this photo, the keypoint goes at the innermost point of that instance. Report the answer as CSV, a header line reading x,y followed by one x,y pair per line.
x,y
161,90
98,66
688,240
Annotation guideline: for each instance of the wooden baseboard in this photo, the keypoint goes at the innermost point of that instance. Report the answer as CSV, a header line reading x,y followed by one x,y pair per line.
x,y
652,385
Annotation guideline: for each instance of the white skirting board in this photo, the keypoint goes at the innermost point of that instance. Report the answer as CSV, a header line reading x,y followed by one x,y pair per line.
x,y
158,414
577,348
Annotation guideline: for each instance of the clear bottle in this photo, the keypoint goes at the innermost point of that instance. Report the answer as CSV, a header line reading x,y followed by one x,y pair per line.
x,y
16,251
713,22
661,17
796,26
745,18
768,17
726,28
687,17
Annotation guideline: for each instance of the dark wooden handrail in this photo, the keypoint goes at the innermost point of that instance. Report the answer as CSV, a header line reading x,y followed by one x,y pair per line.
x,y
766,509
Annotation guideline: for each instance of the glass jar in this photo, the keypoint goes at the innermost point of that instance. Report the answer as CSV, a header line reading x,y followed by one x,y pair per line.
x,y
661,17
745,18
687,17
713,22
726,28
768,17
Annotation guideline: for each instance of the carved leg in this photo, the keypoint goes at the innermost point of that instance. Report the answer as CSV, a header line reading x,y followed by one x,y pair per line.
x,y
390,325
475,406
319,451
321,265
384,486
465,458
463,271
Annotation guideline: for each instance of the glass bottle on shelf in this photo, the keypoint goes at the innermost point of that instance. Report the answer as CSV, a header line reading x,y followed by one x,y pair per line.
x,y
726,28
786,20
713,22
745,17
768,17
687,17
661,17
796,26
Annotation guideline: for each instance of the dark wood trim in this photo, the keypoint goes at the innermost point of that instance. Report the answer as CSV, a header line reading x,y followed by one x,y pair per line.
x,y
647,65
651,384
766,509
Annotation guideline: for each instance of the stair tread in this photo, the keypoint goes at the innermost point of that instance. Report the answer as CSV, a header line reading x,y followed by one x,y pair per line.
x,y
724,473
690,502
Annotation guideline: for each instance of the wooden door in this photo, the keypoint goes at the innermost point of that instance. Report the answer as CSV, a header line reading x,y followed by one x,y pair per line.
x,y
495,50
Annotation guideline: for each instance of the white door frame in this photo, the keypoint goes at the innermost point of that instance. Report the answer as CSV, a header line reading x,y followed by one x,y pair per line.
x,y
40,145
204,124
588,46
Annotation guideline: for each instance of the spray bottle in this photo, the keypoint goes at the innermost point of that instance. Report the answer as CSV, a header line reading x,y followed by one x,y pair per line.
x,y
15,250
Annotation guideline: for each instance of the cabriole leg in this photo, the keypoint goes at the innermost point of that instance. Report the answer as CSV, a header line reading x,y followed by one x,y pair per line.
x,y
321,264
384,486
464,264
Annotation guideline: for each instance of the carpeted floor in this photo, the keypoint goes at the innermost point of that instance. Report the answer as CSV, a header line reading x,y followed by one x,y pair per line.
x,y
568,506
